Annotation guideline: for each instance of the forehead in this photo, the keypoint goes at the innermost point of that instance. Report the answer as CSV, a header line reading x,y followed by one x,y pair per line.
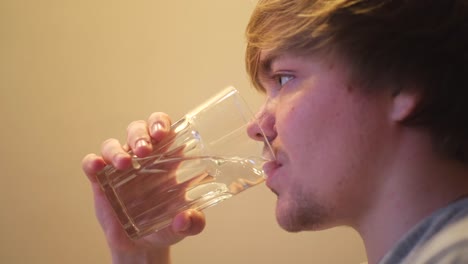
x,y
302,63
268,58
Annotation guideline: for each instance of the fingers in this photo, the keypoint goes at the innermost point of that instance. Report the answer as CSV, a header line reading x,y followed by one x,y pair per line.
x,y
189,223
91,165
138,138
159,124
113,153
141,134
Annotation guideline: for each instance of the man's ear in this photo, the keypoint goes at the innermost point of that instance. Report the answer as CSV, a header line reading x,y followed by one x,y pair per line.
x,y
404,104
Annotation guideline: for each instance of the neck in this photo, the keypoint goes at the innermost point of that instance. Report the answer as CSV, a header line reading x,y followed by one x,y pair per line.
x,y
415,185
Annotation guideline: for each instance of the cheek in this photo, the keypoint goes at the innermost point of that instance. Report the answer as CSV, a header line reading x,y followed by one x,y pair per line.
x,y
323,139
299,124
295,127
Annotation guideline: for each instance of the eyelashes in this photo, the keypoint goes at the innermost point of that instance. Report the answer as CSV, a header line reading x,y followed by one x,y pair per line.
x,y
282,79
274,82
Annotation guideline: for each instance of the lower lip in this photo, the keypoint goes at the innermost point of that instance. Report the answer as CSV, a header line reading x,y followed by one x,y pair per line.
x,y
270,168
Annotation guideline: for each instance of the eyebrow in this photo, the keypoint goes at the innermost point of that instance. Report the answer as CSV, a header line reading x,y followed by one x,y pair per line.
x,y
266,63
264,71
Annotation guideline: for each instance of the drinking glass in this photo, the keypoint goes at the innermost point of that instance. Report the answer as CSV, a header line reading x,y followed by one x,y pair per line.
x,y
207,157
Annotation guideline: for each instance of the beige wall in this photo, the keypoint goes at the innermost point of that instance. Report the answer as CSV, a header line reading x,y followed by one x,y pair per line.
x,y
73,73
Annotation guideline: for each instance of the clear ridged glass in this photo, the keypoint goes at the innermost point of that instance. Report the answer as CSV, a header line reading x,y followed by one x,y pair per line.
x,y
207,158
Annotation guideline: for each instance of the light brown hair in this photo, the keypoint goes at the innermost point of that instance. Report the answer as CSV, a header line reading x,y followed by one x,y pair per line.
x,y
398,41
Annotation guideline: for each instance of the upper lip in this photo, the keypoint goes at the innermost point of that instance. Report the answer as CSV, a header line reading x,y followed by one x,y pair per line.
x,y
269,152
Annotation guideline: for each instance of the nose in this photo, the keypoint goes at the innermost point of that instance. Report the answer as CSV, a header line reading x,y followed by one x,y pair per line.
x,y
263,124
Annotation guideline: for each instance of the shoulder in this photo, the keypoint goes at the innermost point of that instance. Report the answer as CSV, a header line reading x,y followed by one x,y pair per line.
x,y
449,245
440,238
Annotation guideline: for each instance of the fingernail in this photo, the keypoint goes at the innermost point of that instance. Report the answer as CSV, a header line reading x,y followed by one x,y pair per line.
x,y
141,143
157,127
118,157
186,225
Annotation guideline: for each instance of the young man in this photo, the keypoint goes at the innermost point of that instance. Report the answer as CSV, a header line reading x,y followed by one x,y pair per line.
x,y
366,114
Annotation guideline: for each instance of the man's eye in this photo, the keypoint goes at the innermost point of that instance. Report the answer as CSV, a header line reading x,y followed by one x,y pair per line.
x,y
283,79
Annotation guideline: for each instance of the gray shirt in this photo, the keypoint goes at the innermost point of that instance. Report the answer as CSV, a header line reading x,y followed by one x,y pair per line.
x,y
440,238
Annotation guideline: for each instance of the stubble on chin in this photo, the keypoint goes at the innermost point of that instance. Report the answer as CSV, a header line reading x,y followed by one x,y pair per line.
x,y
301,215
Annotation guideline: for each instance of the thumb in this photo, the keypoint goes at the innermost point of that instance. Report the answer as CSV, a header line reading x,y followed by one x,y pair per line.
x,y
189,223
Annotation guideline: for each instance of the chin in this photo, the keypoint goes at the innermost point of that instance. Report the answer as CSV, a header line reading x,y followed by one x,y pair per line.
x,y
295,216
288,219
289,228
